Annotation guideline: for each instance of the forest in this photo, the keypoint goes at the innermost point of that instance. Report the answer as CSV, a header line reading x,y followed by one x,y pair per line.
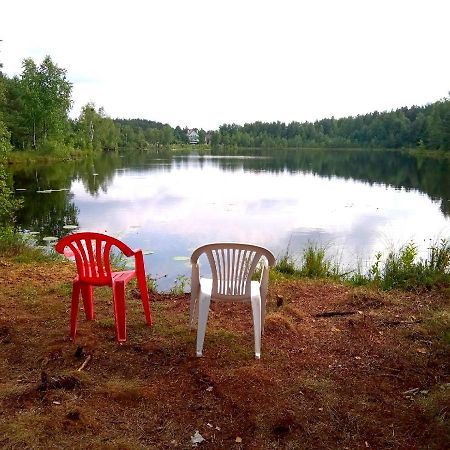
x,y
35,106
418,126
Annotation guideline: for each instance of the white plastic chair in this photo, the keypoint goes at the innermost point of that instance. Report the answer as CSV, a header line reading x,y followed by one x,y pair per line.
x,y
232,267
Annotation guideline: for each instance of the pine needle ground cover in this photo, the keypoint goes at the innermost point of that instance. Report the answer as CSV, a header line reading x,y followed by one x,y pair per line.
x,y
341,367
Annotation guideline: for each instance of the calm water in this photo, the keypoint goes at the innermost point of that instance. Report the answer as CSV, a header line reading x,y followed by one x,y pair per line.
x,y
354,202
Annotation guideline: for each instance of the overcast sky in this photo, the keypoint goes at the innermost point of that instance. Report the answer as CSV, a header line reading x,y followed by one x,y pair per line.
x,y
204,63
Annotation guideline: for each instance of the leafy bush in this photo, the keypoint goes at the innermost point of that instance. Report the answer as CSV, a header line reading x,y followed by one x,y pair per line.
x,y
8,204
286,265
53,148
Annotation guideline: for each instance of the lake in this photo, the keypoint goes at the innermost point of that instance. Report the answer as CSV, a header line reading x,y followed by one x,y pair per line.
x,y
354,202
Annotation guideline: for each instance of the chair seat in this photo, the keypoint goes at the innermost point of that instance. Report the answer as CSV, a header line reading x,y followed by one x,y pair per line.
x,y
206,289
123,276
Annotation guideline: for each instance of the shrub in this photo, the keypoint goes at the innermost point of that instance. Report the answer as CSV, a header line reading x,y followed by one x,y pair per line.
x,y
286,265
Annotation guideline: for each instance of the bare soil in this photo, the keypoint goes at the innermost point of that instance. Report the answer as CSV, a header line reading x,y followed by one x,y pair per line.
x,y
375,375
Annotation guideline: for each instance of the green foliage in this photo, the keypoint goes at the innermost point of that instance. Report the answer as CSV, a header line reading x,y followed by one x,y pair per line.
x,y
180,285
118,261
438,260
5,146
54,148
315,264
419,126
403,270
46,100
141,134
357,278
399,270
94,130
375,270
36,104
286,265
11,242
8,204
151,284
15,244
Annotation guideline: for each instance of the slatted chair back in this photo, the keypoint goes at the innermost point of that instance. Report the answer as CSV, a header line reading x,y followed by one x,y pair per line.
x,y
92,252
232,266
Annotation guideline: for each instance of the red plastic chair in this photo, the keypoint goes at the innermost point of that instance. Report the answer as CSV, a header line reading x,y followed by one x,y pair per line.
x,y
92,256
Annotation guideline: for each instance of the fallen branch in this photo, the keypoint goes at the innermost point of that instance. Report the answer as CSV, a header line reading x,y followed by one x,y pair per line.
x,y
411,391
85,363
400,322
335,313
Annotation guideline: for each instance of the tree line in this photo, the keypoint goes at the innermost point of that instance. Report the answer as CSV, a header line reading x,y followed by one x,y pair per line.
x,y
418,126
35,107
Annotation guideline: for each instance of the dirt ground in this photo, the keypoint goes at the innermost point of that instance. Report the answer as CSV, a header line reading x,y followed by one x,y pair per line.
x,y
375,376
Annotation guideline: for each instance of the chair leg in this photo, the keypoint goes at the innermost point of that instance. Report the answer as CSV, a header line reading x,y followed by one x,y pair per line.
x,y
193,312
87,293
263,313
74,309
118,288
142,283
203,310
256,312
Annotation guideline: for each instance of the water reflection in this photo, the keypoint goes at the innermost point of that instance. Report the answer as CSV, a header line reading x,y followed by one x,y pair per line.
x,y
357,202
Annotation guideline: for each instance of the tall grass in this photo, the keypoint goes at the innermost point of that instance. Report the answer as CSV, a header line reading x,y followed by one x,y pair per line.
x,y
21,248
403,269
314,263
400,269
11,242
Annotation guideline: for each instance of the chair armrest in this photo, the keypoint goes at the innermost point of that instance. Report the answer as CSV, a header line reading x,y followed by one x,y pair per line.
x,y
139,261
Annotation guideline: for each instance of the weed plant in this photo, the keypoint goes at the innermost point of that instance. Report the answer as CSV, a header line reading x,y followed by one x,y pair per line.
x,y
23,248
286,266
180,285
403,270
400,269
313,264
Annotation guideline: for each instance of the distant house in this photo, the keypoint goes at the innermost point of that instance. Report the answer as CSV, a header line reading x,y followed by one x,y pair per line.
x,y
192,136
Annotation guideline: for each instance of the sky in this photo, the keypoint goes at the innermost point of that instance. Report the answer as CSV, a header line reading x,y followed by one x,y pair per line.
x,y
203,63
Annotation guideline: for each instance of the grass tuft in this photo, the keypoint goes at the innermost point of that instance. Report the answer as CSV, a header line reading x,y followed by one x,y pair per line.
x,y
14,244
400,269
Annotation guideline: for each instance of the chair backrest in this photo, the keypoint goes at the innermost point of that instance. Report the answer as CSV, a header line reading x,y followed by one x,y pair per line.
x,y
232,267
92,255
